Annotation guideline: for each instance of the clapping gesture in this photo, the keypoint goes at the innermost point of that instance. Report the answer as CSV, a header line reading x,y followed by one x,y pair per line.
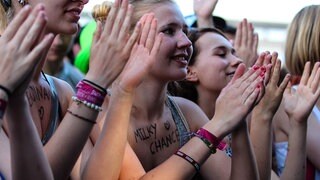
x,y
203,10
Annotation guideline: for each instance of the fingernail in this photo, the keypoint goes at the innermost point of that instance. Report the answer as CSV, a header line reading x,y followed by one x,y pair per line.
x,y
263,69
255,67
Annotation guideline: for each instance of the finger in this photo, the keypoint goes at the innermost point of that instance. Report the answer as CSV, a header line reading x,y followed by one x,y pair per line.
x,y
284,83
237,40
252,82
43,46
121,15
152,34
275,76
250,101
34,33
97,33
126,24
313,74
260,59
146,29
255,42
25,27
133,38
244,38
305,74
250,35
266,75
110,19
156,48
315,82
239,72
287,92
16,23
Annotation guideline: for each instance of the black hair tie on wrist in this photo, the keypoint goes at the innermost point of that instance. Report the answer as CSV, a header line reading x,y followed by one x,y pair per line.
x,y
6,4
6,90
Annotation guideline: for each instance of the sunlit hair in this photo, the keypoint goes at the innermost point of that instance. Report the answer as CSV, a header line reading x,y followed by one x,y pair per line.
x,y
6,14
100,12
186,88
142,7
303,39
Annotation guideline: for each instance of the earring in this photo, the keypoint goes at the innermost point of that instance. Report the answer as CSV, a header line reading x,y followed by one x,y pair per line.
x,y
23,2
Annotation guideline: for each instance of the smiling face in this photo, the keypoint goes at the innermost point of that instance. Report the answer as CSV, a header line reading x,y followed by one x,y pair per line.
x,y
63,15
215,63
175,50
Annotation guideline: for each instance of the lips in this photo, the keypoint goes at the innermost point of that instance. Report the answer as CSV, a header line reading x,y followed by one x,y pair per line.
x,y
182,59
74,13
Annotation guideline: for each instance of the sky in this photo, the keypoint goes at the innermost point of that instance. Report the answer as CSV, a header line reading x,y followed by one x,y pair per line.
x,y
270,11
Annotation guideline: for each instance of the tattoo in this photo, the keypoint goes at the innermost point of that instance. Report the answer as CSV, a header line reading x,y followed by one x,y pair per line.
x,y
164,142
35,94
167,125
146,133
41,112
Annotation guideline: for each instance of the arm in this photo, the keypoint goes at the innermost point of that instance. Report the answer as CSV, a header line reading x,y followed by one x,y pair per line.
x,y
313,143
298,106
203,9
17,66
262,115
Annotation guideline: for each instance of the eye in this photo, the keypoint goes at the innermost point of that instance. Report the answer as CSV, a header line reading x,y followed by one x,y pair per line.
x,y
169,31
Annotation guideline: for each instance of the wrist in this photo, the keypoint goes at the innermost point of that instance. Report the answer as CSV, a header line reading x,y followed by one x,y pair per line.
x,y
217,128
100,82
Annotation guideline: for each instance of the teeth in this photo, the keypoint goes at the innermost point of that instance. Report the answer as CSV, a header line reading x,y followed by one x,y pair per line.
x,y
181,59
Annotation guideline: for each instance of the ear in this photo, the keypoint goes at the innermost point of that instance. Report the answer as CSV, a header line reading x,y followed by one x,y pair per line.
x,y
192,75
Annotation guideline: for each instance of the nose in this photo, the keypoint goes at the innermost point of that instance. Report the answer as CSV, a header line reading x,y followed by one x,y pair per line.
x,y
183,41
235,61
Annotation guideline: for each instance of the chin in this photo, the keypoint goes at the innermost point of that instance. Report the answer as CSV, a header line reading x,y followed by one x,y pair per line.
x,y
66,29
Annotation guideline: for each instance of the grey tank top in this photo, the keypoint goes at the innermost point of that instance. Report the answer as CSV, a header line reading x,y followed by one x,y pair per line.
x,y
179,120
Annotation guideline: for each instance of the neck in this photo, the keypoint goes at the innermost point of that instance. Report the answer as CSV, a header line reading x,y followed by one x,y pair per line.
x,y
207,101
53,67
150,99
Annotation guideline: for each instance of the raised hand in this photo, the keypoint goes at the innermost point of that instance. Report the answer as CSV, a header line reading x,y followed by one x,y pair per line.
x,y
271,100
21,48
143,54
246,43
298,103
237,98
112,45
203,9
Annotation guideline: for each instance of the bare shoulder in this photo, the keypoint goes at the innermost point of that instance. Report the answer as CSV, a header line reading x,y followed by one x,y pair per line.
x,y
192,112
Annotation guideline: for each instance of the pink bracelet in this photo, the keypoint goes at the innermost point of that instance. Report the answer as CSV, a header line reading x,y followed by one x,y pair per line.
x,y
88,93
218,143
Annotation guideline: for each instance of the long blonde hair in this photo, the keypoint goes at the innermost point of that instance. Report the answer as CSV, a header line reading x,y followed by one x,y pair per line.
x,y
303,39
5,17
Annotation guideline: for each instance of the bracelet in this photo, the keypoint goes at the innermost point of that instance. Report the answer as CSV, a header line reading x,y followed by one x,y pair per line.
x,y
6,90
87,104
218,143
184,156
211,147
80,117
3,105
87,92
95,85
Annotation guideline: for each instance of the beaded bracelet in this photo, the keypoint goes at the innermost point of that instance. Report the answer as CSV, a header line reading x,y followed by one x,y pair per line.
x,y
211,147
218,143
184,156
80,117
3,105
87,104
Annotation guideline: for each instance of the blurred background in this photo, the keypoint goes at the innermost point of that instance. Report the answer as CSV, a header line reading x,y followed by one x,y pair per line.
x,y
269,17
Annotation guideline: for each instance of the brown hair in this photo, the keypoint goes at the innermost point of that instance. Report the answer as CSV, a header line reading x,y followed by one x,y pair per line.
x,y
303,39
186,88
6,14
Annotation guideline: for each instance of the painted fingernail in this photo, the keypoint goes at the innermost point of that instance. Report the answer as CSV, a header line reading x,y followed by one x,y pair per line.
x,y
255,67
263,69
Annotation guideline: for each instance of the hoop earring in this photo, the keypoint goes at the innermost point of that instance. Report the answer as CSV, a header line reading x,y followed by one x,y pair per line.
x,y
23,2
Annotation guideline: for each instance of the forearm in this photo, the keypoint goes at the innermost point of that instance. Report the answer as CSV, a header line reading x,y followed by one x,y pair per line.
x,y
243,153
110,146
204,22
71,135
261,138
27,155
295,167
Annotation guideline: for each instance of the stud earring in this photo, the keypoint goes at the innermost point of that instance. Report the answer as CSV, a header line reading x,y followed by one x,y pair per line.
x,y
23,2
